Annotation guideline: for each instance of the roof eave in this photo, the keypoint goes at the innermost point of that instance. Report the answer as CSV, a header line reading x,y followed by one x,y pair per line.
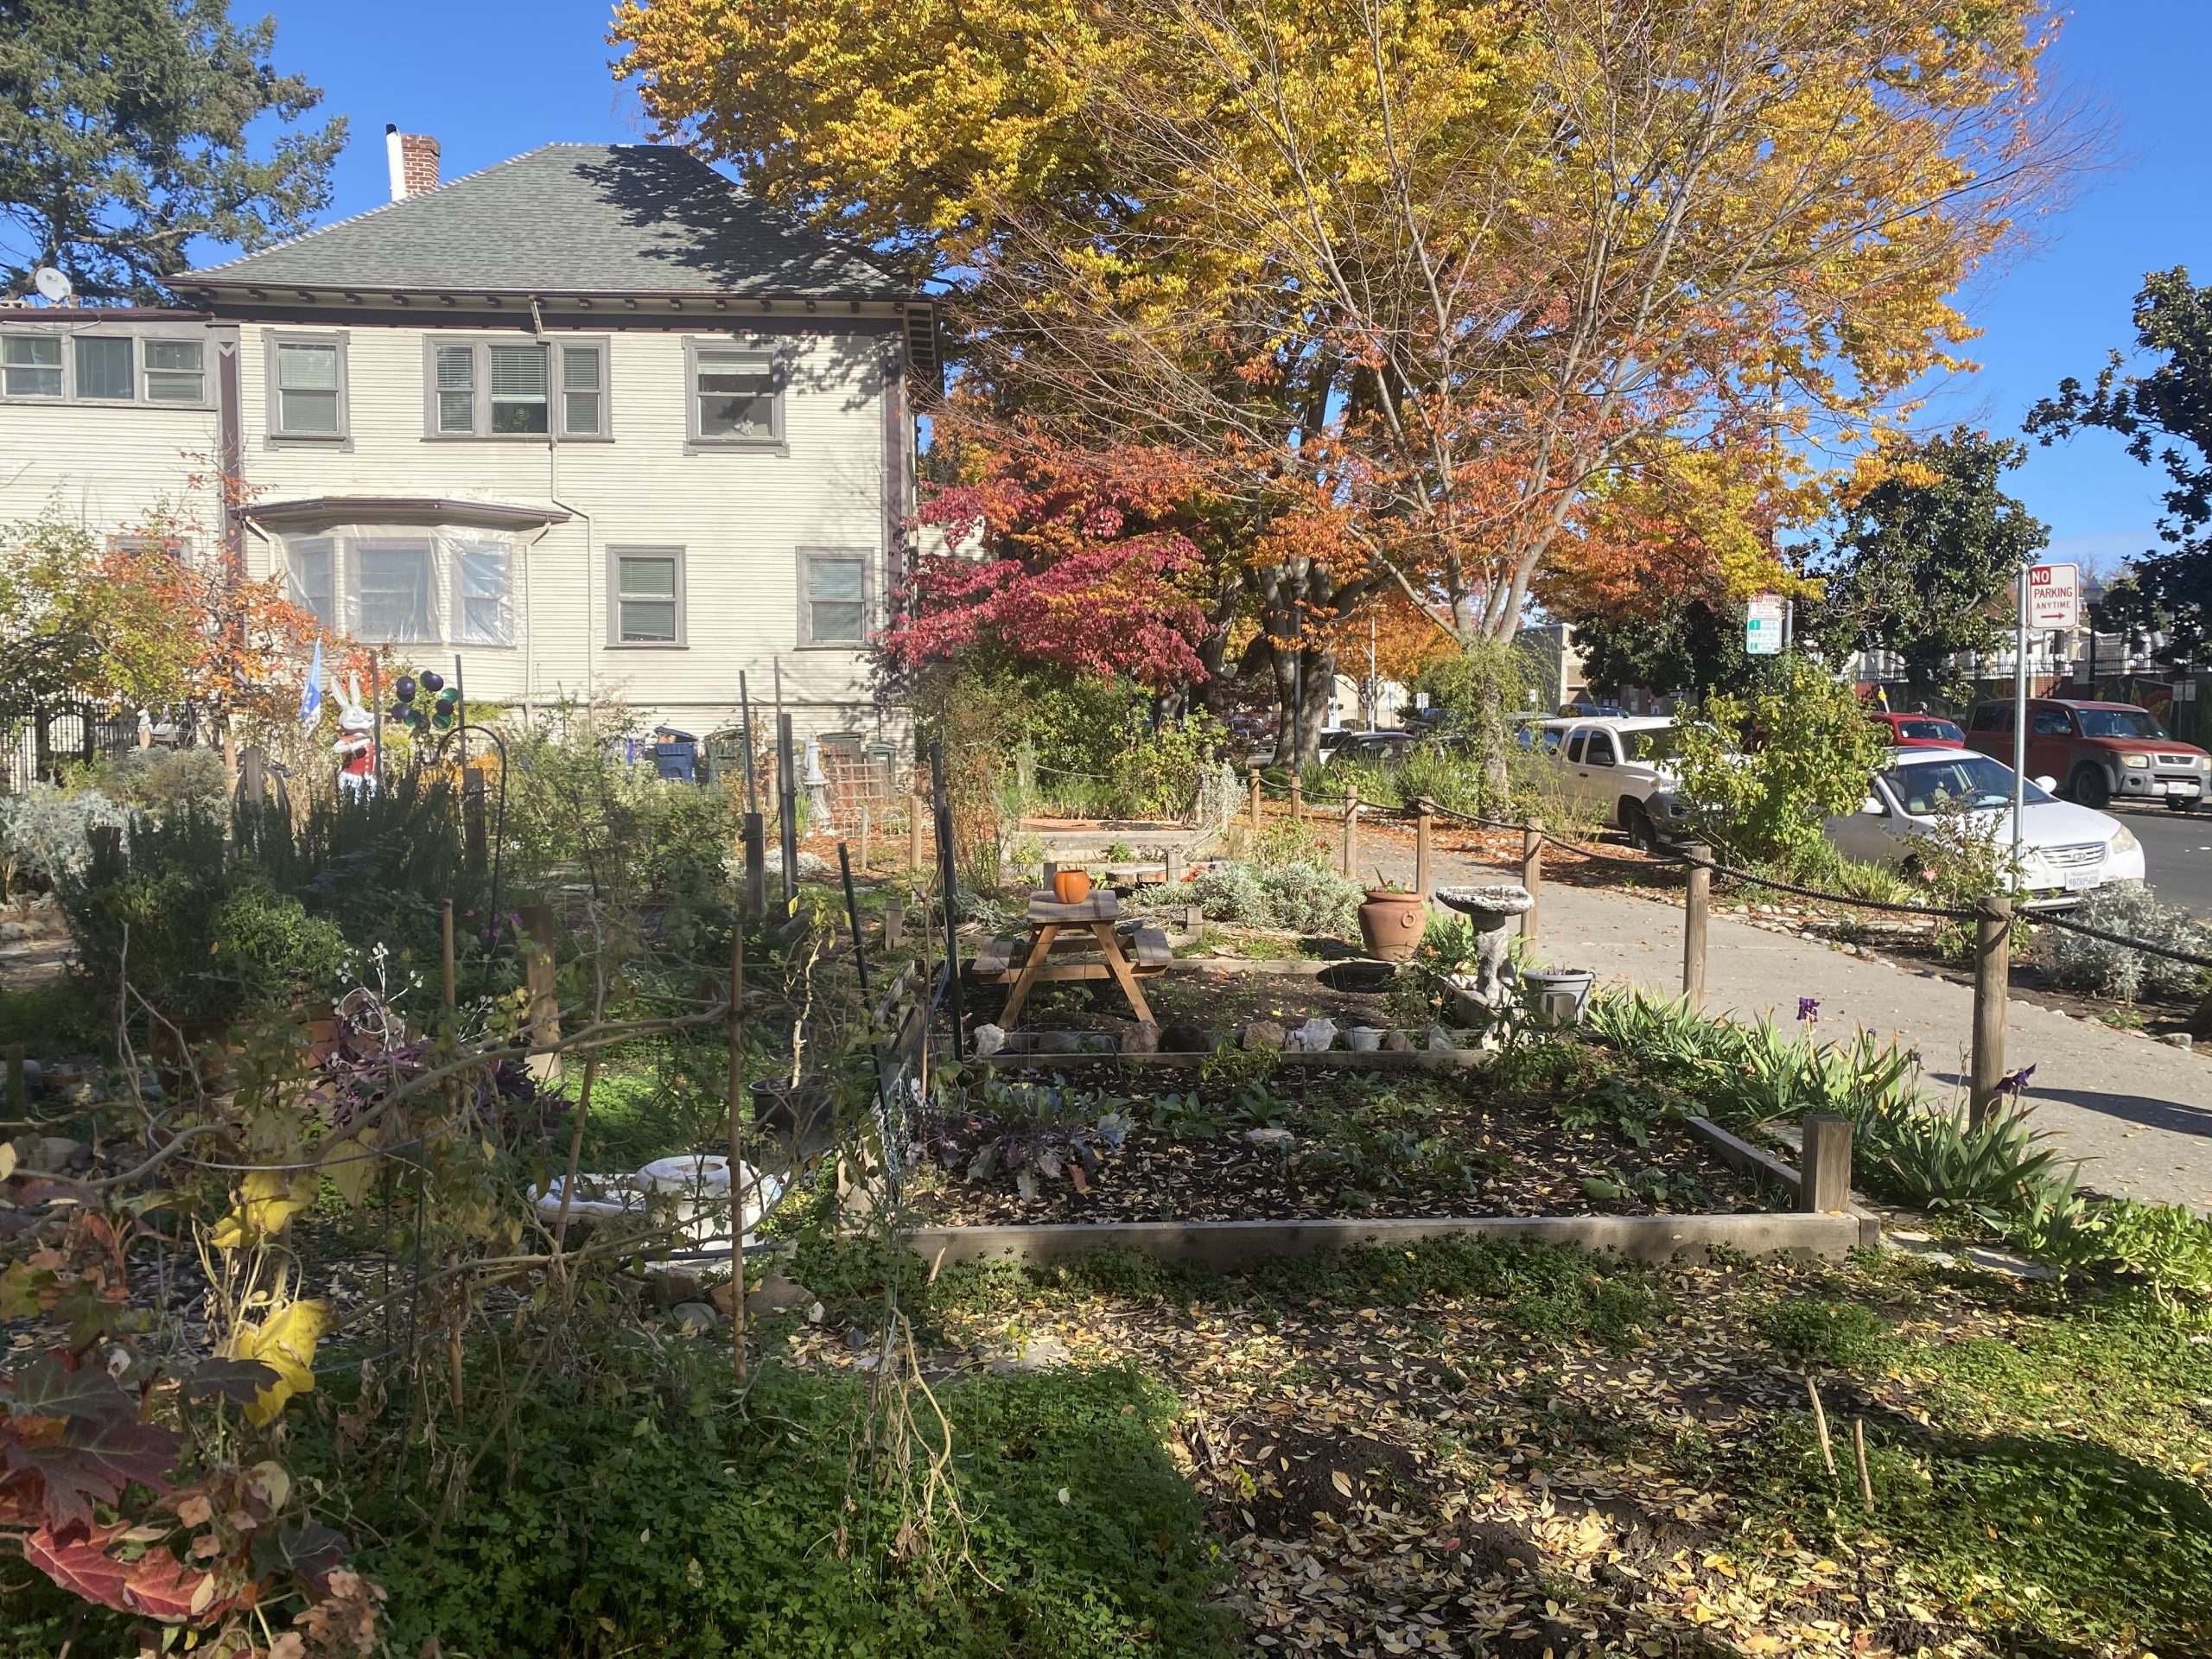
x,y
374,293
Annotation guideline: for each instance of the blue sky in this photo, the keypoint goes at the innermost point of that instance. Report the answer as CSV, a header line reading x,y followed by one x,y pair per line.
x,y
491,77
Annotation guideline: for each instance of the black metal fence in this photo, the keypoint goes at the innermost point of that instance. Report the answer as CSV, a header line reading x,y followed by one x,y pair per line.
x,y
38,745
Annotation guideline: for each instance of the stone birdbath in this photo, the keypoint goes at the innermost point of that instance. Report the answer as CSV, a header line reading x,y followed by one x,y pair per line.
x,y
1489,989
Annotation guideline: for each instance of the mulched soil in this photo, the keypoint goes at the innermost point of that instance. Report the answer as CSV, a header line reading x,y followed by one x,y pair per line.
x,y
1515,1158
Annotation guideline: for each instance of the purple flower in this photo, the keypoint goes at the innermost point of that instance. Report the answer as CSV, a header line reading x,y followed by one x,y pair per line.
x,y
2013,1083
1808,1009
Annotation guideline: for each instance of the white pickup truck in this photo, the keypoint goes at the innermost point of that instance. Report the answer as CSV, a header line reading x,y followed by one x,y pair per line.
x,y
1619,764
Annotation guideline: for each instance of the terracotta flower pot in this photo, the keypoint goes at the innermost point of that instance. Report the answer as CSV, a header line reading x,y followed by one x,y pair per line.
x,y
1391,923
1071,887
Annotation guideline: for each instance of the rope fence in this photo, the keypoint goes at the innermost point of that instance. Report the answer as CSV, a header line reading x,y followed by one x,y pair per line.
x,y
1992,919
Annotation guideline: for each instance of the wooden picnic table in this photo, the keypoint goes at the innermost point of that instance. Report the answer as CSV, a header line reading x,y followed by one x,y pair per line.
x,y
1147,953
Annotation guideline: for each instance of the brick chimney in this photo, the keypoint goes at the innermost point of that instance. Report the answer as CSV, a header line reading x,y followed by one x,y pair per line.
x,y
413,159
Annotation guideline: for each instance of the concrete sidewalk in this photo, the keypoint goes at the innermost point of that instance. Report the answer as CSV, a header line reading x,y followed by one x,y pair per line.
x,y
2137,1112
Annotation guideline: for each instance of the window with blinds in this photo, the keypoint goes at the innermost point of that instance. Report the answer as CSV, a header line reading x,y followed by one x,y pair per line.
x,y
832,598
646,590
737,393
307,388
393,589
515,388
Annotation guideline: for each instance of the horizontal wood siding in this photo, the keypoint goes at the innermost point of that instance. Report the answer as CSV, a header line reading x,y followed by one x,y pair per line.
x,y
108,468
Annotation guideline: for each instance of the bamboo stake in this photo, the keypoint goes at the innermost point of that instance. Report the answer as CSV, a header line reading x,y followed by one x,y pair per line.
x,y
737,1150
1820,1420
445,945
1859,1451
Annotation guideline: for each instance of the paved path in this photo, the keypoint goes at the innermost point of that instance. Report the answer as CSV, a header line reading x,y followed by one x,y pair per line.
x,y
2139,1113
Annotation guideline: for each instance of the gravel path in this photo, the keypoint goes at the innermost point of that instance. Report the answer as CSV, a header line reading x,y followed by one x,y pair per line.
x,y
2137,1112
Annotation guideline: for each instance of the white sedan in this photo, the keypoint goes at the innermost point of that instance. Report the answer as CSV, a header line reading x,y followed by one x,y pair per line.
x,y
2066,850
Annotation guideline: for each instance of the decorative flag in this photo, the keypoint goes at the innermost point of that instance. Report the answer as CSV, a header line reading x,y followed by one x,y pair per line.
x,y
311,693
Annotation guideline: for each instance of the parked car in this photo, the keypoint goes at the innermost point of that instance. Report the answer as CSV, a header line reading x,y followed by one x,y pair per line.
x,y
2098,751
1919,731
2066,850
1620,764
1384,749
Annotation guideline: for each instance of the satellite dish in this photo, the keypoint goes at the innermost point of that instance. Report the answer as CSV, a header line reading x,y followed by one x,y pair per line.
x,y
51,284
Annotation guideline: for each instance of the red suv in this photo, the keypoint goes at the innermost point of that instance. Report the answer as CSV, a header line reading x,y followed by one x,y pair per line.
x,y
1919,731
2098,752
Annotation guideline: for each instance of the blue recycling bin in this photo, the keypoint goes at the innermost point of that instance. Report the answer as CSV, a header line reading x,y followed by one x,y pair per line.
x,y
677,754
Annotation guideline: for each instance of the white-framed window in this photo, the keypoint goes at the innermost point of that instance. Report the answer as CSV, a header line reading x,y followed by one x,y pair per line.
x,y
307,386
311,577
483,588
644,593
735,393
514,388
833,594
392,589
108,364
583,388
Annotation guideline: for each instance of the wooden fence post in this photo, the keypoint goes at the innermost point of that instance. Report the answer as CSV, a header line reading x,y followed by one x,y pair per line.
x,y
894,923
1824,1175
1351,831
1172,860
537,965
1297,799
1701,896
1992,974
1252,774
1424,829
1532,873
253,780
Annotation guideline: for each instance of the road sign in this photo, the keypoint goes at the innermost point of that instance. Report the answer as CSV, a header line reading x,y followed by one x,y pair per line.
x,y
1763,626
2054,596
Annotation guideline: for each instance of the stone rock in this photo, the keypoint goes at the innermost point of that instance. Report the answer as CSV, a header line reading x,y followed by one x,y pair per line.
x,y
1265,1034
809,864
1396,1042
1142,1038
49,1154
695,1316
1060,1042
14,933
1039,1353
989,1040
1183,1037
1316,1036
2178,1039
674,1283
857,1338
774,1295
1272,1139
1440,1041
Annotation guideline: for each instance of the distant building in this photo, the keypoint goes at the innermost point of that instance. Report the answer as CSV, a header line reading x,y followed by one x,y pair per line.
x,y
594,420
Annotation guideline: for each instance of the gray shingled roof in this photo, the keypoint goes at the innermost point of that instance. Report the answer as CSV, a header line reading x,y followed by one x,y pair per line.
x,y
572,218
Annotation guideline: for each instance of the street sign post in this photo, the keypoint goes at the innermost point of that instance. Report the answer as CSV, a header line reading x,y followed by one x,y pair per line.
x,y
1763,626
2048,599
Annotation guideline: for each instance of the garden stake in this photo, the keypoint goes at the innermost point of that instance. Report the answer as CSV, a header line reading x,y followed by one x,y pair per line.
x,y
445,946
860,962
1532,873
1820,1421
1252,775
1351,831
947,881
1859,1451
864,829
787,813
737,1150
453,1338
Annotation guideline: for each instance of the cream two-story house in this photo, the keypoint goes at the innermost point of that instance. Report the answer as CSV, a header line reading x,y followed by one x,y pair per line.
x,y
593,421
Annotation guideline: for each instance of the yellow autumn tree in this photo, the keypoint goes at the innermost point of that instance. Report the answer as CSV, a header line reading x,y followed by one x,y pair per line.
x,y
1453,272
